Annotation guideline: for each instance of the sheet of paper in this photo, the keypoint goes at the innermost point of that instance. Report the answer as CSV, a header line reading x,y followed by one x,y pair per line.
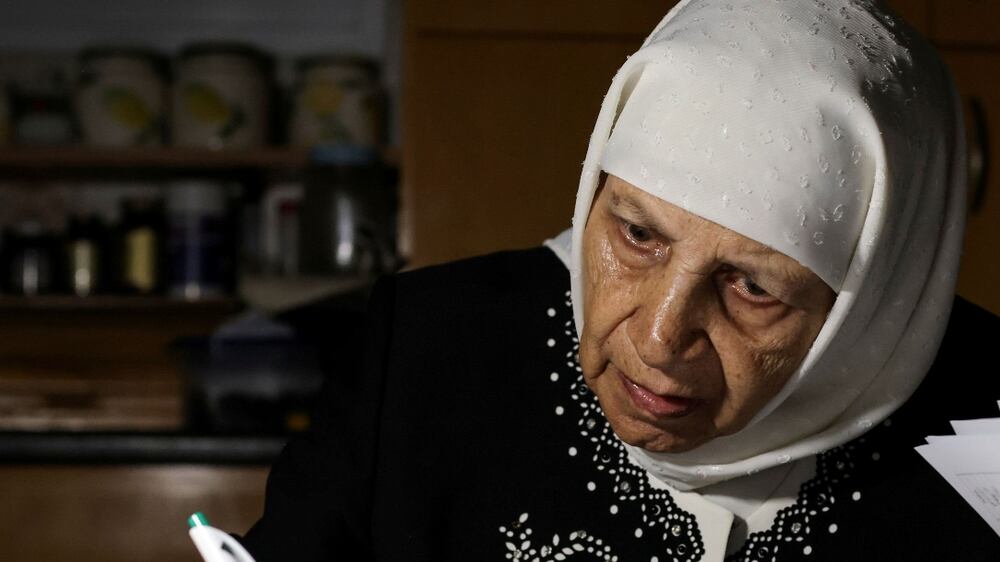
x,y
976,427
971,464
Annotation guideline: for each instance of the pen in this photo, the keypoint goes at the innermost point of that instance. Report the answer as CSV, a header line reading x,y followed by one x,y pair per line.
x,y
213,544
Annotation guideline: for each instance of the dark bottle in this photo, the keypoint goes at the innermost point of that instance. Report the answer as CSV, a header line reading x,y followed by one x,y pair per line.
x,y
31,263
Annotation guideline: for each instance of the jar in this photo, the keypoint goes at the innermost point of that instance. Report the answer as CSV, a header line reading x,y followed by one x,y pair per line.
x,y
337,102
119,97
220,97
347,215
42,118
197,241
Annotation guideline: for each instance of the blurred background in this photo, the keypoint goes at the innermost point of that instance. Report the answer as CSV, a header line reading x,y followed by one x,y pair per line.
x,y
195,198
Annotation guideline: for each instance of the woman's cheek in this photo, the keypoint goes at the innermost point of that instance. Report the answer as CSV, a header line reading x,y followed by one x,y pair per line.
x,y
607,279
604,305
597,284
607,257
766,369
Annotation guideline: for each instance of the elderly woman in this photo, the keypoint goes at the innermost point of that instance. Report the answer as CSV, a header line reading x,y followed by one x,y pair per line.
x,y
761,271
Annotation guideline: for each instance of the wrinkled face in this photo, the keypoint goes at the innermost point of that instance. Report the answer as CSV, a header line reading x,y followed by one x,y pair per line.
x,y
689,327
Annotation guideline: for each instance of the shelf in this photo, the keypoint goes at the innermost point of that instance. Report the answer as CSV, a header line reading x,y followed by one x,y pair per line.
x,y
114,303
63,158
159,158
276,294
268,293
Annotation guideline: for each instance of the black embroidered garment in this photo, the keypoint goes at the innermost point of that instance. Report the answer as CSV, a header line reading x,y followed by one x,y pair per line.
x,y
468,434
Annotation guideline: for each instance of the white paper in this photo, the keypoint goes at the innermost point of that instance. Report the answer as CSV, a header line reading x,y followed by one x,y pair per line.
x,y
971,464
976,427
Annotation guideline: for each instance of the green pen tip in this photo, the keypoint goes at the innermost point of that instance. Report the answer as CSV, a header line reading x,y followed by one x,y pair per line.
x,y
197,519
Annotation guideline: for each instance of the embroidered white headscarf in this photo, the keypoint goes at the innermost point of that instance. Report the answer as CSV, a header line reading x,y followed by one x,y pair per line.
x,y
829,131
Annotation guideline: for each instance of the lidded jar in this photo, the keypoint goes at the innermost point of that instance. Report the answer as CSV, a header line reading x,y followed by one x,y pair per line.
x,y
119,96
337,101
220,96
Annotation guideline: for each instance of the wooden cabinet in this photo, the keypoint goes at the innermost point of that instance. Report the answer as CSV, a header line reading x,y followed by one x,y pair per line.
x,y
965,22
625,17
96,364
977,74
501,127
968,35
916,12
499,101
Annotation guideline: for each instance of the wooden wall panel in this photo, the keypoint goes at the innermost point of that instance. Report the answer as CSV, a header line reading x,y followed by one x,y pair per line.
x,y
498,103
916,12
496,130
978,75
966,22
531,16
561,16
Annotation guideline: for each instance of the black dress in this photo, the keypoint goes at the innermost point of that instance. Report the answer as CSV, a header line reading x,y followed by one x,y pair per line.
x,y
469,435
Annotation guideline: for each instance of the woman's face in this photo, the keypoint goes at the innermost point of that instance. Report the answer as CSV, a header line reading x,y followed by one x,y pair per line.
x,y
690,328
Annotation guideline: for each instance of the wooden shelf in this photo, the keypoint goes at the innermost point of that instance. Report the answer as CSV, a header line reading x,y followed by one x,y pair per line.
x,y
276,294
84,158
115,303
268,293
180,158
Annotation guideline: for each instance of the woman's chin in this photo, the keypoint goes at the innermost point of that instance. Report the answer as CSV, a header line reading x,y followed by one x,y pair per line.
x,y
639,433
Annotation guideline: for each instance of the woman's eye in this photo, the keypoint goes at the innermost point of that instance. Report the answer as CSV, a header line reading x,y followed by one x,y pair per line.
x,y
753,288
638,233
639,241
751,291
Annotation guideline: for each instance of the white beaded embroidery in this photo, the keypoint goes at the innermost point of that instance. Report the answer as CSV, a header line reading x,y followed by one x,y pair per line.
x,y
665,528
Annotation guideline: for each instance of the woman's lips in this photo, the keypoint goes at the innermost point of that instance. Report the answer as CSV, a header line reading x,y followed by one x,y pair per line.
x,y
660,406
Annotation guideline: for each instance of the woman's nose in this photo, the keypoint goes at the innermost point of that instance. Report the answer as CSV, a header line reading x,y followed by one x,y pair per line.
x,y
667,325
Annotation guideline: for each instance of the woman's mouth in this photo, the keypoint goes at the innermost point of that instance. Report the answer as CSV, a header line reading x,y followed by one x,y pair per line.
x,y
656,404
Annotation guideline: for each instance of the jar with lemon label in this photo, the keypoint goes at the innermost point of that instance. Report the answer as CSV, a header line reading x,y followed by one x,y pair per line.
x,y
337,102
220,97
119,97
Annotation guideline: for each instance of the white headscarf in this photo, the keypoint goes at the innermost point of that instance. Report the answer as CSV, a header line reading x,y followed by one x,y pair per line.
x,y
829,131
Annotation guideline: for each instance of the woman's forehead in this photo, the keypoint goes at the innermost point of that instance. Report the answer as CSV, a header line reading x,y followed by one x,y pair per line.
x,y
675,223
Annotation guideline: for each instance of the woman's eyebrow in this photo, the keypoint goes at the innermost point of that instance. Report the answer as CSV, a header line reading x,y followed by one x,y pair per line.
x,y
758,259
636,211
